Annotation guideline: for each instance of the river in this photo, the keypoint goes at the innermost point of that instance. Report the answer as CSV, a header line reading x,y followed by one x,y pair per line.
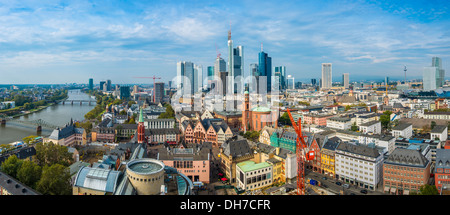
x,y
59,115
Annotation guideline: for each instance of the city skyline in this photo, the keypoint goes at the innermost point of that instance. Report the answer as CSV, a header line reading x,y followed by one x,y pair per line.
x,y
71,42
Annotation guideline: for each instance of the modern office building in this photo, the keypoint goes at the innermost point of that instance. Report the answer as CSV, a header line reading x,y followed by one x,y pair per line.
x,y
210,72
125,92
235,61
91,84
440,75
198,75
345,80
102,85
159,92
280,72
108,85
429,78
185,72
326,76
265,68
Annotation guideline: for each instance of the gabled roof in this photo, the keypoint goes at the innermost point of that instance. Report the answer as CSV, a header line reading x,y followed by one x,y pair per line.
x,y
237,148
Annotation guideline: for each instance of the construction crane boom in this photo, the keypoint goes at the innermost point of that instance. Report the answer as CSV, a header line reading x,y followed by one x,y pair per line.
x,y
302,153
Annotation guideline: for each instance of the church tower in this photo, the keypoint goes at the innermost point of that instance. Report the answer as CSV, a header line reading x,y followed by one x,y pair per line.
x,y
141,128
246,115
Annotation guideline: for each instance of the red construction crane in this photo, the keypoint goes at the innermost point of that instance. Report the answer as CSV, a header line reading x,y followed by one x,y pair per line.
x,y
154,87
303,154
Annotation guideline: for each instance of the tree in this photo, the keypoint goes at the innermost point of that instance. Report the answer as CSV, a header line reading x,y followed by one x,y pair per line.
x,y
354,127
433,124
50,153
428,190
169,114
29,139
55,180
11,166
285,119
385,119
29,173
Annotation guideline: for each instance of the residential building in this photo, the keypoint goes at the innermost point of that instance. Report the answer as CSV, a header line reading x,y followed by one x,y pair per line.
x,y
402,130
163,135
371,127
265,134
436,115
405,170
360,165
439,132
343,123
159,123
328,156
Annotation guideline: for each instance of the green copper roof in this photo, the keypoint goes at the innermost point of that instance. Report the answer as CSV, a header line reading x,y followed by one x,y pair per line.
x,y
261,109
141,117
247,166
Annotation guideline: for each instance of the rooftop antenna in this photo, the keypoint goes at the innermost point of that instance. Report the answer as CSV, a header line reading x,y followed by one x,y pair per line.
x,y
217,52
405,73
261,46
229,32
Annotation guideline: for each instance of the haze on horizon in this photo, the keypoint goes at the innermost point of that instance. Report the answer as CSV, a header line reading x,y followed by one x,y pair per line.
x,y
54,42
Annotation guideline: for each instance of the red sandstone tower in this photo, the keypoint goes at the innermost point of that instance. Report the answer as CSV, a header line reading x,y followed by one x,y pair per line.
x,y
141,128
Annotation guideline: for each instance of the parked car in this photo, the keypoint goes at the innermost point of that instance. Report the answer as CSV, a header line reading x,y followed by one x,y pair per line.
x,y
364,191
346,186
338,183
324,178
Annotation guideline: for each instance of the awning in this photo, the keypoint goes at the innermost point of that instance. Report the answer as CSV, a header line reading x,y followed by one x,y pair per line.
x,y
393,190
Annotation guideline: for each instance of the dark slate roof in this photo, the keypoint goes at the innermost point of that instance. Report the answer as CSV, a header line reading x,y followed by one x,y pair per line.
x,y
332,143
61,133
407,157
442,158
401,126
14,187
237,148
438,129
358,149
20,153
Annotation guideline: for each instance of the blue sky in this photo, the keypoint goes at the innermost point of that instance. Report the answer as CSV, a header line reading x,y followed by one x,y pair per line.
x,y
71,41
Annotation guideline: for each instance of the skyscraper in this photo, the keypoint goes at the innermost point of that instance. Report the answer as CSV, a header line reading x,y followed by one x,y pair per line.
x,y
91,84
280,71
198,82
102,85
108,85
159,92
440,76
265,68
185,69
326,76
219,66
429,78
345,80
235,60
210,72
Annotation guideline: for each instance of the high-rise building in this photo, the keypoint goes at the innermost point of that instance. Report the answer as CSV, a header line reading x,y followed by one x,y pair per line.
x,y
210,72
313,82
198,75
440,76
91,84
102,85
159,92
124,92
185,72
429,78
219,66
280,71
265,68
108,85
345,80
235,60
326,76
